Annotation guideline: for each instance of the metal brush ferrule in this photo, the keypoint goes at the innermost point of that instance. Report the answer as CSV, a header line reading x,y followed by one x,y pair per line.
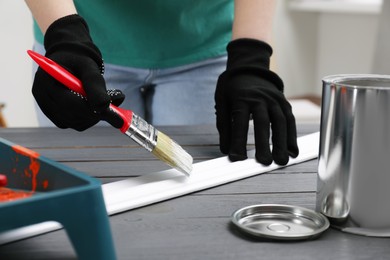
x,y
142,133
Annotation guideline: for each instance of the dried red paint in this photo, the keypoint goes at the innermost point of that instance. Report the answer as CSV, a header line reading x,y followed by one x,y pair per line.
x,y
45,184
24,151
33,169
7,194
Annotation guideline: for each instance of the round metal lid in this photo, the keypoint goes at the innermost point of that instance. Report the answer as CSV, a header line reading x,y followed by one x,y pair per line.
x,y
283,222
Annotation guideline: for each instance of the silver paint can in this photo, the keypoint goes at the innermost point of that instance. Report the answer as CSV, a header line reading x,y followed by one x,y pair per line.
x,y
353,184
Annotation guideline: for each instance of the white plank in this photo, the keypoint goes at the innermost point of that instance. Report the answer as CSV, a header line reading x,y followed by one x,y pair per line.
x,y
155,187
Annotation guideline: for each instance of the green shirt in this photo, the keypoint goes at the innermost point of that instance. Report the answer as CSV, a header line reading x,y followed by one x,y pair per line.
x,y
157,33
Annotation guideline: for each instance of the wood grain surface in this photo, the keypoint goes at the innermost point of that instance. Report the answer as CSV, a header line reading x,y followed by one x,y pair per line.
x,y
195,226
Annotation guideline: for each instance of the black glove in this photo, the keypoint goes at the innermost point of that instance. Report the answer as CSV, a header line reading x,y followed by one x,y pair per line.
x,y
248,88
67,42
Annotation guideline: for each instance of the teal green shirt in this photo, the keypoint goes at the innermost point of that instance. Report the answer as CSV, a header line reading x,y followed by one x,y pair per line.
x,y
157,33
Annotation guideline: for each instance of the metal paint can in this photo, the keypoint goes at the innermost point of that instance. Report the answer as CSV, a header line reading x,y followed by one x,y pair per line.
x,y
353,184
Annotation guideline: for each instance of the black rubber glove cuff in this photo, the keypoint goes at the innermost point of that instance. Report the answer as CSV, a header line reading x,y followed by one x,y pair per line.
x,y
252,55
241,52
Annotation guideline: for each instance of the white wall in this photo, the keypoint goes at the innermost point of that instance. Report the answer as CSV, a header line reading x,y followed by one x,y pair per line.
x,y
346,44
312,40
295,49
15,65
315,38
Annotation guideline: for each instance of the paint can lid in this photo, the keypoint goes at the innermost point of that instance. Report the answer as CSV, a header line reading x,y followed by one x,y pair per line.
x,y
280,222
3,180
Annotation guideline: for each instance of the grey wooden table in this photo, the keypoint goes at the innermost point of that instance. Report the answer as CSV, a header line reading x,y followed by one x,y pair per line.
x,y
196,226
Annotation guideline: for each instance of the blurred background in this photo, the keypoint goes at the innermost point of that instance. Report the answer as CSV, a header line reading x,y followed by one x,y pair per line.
x,y
312,39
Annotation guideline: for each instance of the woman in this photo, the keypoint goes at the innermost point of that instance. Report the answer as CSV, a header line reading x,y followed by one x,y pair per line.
x,y
169,58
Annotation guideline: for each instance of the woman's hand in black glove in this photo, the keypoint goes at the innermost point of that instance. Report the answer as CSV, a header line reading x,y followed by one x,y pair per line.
x,y
67,42
249,89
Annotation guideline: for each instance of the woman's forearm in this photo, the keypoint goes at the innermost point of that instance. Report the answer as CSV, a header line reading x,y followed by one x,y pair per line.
x,y
46,12
253,19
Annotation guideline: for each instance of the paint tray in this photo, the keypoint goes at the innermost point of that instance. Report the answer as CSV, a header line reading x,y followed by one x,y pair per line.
x,y
55,193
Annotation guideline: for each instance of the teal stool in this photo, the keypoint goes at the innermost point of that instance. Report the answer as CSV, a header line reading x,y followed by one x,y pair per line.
x,y
60,194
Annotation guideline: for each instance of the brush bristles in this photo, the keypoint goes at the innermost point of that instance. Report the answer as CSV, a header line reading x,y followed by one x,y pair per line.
x,y
173,154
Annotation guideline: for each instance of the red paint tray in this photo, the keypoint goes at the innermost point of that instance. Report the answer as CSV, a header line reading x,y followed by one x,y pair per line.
x,y
58,193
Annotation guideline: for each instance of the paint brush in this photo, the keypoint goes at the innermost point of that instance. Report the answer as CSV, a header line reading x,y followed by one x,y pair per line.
x,y
156,142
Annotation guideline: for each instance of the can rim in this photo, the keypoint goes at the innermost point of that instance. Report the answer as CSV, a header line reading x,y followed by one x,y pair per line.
x,y
351,80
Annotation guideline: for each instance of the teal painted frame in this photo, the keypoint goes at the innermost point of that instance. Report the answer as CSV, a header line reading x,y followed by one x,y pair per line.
x,y
69,197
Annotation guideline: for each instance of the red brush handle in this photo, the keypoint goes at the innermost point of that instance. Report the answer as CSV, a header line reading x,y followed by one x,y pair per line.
x,y
58,72
73,83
